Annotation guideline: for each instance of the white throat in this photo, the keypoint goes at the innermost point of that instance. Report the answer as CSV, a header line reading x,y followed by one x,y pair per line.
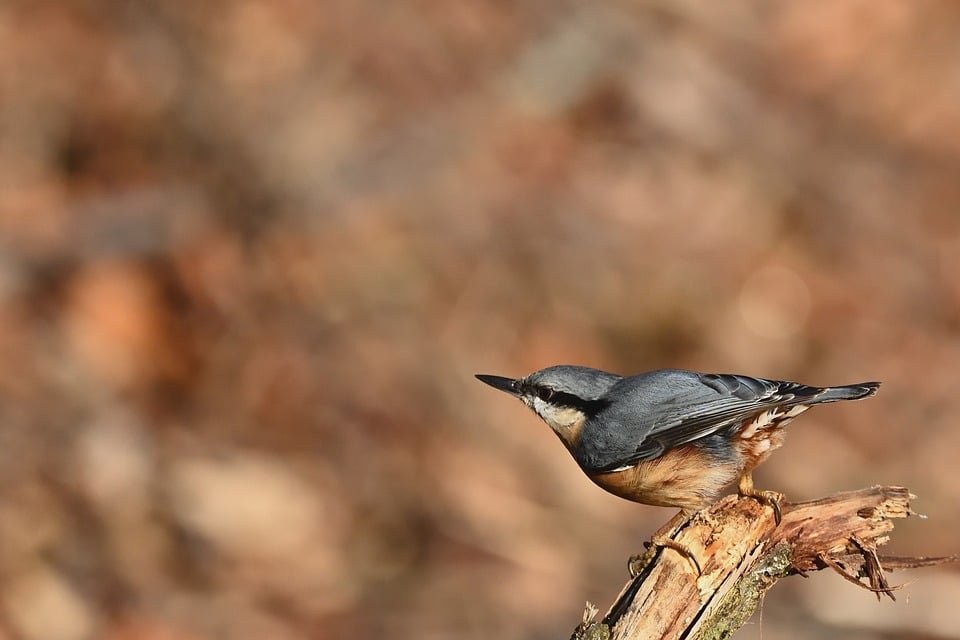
x,y
566,422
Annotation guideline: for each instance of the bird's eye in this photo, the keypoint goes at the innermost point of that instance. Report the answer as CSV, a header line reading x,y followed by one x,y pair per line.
x,y
545,394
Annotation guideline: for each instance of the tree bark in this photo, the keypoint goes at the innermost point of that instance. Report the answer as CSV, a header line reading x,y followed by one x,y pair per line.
x,y
742,553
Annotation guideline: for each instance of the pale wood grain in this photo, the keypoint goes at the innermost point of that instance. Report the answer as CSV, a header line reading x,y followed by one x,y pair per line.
x,y
743,553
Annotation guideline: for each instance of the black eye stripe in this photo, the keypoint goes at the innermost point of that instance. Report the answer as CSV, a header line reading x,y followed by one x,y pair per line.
x,y
563,399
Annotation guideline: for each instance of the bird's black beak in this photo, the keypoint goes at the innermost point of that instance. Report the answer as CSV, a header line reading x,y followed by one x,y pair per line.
x,y
509,385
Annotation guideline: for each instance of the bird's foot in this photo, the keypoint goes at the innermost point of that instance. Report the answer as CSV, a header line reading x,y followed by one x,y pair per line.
x,y
663,539
770,498
637,563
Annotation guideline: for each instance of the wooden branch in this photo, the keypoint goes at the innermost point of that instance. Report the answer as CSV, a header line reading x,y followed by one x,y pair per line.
x,y
743,553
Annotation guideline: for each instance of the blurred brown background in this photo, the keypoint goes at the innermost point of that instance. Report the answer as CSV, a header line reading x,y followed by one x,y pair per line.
x,y
252,253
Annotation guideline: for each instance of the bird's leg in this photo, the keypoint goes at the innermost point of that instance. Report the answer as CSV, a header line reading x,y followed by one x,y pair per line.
x,y
771,498
663,538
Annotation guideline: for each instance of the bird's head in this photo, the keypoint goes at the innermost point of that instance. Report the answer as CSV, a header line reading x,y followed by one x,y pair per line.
x,y
564,396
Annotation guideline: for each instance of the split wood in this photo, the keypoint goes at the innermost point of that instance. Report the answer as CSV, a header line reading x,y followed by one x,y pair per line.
x,y
743,553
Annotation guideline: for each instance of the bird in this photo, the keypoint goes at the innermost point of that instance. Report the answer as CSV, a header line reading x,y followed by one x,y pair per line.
x,y
670,437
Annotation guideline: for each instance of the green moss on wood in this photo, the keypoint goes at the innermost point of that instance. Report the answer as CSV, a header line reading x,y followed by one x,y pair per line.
x,y
742,600
596,631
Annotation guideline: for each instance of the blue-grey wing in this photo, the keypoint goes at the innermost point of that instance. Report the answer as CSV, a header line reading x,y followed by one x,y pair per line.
x,y
654,412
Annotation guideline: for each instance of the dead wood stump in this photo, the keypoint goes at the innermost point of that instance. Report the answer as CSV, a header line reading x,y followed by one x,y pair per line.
x,y
743,553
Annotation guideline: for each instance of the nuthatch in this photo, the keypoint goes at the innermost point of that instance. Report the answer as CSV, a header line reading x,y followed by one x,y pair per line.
x,y
670,437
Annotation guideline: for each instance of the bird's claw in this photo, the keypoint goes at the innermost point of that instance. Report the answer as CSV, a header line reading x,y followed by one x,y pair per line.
x,y
770,498
638,562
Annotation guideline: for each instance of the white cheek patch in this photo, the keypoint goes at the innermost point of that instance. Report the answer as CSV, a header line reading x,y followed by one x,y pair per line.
x,y
541,408
559,418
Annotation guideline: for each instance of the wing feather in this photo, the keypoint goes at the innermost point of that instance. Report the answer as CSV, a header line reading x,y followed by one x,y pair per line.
x,y
689,410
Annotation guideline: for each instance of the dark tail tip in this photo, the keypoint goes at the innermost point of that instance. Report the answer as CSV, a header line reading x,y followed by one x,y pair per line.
x,y
850,391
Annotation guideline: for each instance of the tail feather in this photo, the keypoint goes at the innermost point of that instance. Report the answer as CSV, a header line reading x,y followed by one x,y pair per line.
x,y
848,392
